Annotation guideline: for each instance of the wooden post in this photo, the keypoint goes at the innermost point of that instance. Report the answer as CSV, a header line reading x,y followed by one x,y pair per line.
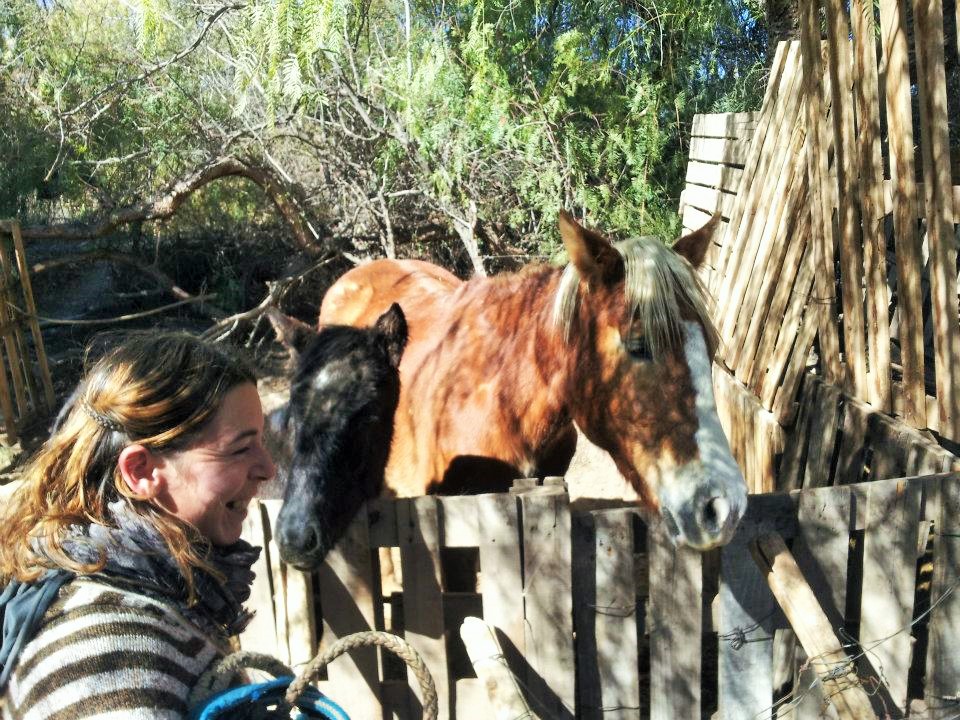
x,y
811,626
487,658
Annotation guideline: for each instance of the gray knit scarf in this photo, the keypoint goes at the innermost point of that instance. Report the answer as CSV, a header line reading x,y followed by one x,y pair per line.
x,y
137,558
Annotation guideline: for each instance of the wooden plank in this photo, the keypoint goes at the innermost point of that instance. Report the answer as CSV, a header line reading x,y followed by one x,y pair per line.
x,y
583,543
6,404
785,312
31,308
548,600
15,363
845,168
270,510
754,167
820,207
749,236
867,96
501,579
794,461
723,177
893,30
674,622
419,535
746,629
719,150
616,614
853,441
823,436
943,661
461,525
779,210
261,634
472,700
724,125
783,406
709,200
889,570
487,657
347,585
812,627
935,146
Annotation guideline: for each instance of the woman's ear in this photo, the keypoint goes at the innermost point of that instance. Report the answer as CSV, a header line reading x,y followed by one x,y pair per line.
x,y
137,464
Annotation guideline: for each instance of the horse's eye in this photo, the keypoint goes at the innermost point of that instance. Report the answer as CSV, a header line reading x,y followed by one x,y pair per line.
x,y
638,349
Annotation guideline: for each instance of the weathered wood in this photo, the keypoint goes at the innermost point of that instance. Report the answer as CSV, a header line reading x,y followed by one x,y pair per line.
x,y
14,360
722,177
746,629
823,435
943,660
867,96
270,510
889,570
583,543
719,150
31,308
261,634
812,627
893,31
461,525
793,463
709,199
503,691
616,614
728,259
346,583
845,168
820,205
935,146
419,535
724,125
782,405
548,600
674,622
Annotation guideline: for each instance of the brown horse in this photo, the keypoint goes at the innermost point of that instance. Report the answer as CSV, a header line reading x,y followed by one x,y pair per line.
x,y
497,371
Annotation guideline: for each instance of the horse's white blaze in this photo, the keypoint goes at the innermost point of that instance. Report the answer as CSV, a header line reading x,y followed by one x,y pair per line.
x,y
706,497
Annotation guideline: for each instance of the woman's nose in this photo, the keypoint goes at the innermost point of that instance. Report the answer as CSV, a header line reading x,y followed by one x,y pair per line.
x,y
267,467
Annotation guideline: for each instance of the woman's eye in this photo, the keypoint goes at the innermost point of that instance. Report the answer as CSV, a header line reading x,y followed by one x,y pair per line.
x,y
241,451
638,349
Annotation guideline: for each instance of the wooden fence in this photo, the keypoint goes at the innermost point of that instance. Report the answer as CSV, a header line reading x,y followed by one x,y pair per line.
x,y
601,617
23,361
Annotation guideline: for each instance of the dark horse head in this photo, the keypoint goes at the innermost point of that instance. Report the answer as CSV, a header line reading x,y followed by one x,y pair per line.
x,y
336,428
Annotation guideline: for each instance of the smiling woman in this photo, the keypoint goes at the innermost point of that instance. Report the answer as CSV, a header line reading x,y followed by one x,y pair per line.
x,y
120,556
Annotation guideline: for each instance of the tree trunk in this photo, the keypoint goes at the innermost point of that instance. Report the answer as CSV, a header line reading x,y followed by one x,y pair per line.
x,y
782,24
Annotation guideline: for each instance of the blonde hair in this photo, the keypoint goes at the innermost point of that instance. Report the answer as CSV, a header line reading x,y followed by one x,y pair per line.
x,y
155,389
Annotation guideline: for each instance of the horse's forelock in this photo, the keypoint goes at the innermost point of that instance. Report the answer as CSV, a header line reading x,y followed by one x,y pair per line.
x,y
659,285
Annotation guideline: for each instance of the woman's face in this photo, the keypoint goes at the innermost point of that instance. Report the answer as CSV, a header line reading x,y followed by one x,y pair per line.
x,y
211,482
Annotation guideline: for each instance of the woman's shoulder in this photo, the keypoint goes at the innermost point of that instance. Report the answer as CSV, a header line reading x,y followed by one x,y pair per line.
x,y
103,647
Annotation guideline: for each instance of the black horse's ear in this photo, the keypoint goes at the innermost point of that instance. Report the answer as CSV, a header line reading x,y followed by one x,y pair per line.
x,y
393,325
293,334
694,246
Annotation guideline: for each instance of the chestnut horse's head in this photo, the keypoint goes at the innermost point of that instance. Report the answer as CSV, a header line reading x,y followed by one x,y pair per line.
x,y
641,383
337,429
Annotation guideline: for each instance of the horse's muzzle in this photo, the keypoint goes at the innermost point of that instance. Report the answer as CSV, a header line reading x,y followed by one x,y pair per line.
x,y
703,515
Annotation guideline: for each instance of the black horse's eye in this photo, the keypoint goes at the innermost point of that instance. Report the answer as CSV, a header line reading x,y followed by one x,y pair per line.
x,y
638,349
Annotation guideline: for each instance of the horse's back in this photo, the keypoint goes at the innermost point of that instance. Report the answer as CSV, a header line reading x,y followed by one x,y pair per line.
x,y
361,295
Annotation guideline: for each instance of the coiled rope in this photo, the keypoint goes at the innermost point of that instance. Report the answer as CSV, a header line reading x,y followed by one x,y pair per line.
x,y
220,676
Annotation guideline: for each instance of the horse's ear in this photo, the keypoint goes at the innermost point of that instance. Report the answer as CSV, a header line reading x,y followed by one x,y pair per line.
x,y
293,334
393,324
590,253
694,246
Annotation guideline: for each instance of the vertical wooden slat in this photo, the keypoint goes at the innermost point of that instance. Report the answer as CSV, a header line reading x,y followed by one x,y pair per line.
x,y
31,309
583,542
943,660
867,94
746,635
501,580
270,510
346,583
820,197
935,144
6,402
548,599
674,623
616,615
261,634
844,145
893,31
750,228
889,571
783,399
419,534
728,261
8,323
823,435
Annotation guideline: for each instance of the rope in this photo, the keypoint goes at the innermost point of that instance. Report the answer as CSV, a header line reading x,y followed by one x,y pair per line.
x,y
394,644
221,674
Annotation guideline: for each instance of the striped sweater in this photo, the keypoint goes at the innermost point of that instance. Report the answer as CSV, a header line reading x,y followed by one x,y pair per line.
x,y
108,654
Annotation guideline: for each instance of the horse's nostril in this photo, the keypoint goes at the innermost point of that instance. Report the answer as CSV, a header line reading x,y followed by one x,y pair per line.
x,y
715,514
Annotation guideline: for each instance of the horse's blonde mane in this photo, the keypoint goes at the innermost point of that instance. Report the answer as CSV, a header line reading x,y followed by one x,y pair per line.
x,y
658,283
